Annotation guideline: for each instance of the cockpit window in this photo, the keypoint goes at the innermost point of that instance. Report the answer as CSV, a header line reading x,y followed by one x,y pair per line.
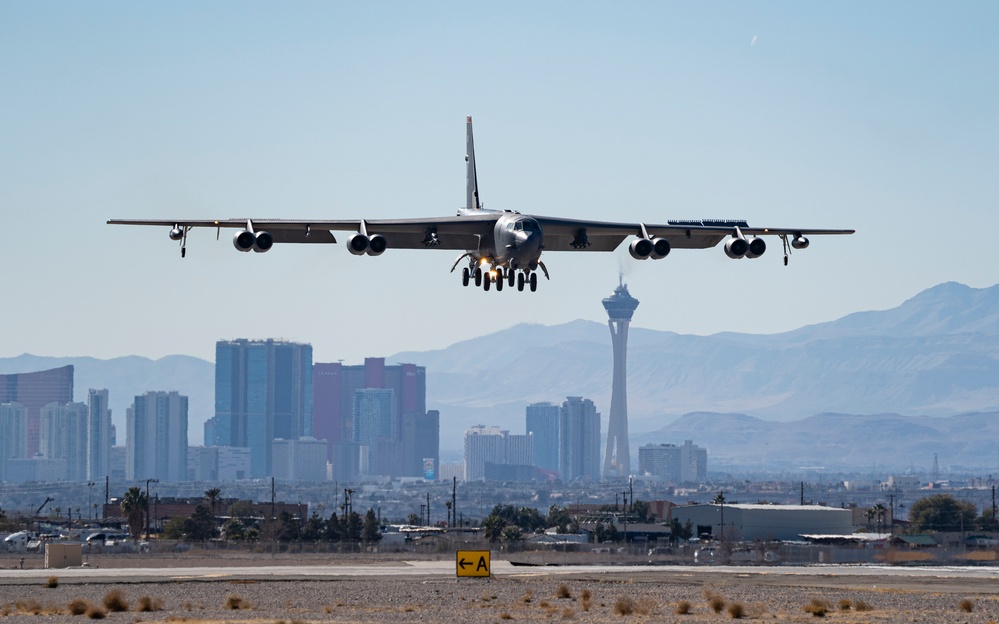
x,y
528,225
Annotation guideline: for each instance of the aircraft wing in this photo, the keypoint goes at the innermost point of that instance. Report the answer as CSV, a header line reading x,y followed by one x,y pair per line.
x,y
457,233
564,234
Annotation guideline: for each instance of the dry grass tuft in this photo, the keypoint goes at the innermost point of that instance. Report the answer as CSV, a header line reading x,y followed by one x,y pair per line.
x,y
568,613
328,609
736,611
94,612
682,607
149,604
966,605
28,607
505,616
77,606
115,601
406,609
545,604
528,596
844,605
235,602
586,599
715,600
624,606
860,605
817,607
53,582
562,592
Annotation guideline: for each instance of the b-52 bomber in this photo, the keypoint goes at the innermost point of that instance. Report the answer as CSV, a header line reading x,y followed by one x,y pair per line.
x,y
498,246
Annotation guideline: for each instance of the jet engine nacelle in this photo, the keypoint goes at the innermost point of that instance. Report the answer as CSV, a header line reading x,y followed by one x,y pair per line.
x,y
263,242
176,234
357,244
736,248
376,244
799,242
244,241
757,247
660,248
641,248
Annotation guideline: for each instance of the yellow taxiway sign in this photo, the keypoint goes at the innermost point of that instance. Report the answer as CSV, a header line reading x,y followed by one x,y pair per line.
x,y
472,562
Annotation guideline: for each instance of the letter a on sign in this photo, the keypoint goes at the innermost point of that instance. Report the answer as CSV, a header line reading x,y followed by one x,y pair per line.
x,y
472,562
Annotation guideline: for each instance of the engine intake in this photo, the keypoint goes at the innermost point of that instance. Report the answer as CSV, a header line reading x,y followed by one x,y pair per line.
x,y
641,248
660,248
244,241
757,247
736,248
176,234
357,244
263,242
376,245
799,242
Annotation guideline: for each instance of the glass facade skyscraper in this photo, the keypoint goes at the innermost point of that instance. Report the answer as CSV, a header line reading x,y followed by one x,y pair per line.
x,y
263,391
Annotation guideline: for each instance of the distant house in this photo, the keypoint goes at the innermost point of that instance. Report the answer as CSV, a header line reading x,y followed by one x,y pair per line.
x,y
764,522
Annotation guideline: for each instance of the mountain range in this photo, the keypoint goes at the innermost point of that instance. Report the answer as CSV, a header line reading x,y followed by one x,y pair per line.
x,y
915,367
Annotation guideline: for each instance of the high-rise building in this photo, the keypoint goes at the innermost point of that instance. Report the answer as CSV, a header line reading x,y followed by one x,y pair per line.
x,y
661,461
421,444
263,391
303,459
156,437
362,413
579,440
100,435
63,435
483,445
542,422
519,450
34,391
693,463
620,307
13,434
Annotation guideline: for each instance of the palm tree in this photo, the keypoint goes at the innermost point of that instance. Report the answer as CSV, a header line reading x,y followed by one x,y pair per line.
x,y
134,505
881,511
212,495
869,513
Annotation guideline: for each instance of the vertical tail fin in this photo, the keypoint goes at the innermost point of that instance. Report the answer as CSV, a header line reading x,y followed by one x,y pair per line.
x,y
472,200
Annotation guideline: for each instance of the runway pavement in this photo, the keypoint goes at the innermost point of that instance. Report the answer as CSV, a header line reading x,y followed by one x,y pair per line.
x,y
863,574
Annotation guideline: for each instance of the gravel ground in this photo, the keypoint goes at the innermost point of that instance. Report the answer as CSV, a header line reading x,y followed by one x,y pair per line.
x,y
652,597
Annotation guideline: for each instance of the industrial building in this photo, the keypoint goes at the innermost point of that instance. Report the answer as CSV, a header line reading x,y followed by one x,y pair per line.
x,y
740,522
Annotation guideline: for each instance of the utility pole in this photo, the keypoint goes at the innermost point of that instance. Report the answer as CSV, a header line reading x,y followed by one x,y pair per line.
x,y
428,508
631,490
454,497
148,481
273,515
107,493
802,493
90,497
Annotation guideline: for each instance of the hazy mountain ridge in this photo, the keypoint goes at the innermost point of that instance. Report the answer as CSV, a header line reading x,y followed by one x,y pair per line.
x,y
841,441
936,354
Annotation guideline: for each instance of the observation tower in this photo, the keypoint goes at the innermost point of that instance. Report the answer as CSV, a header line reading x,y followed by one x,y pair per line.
x,y
620,307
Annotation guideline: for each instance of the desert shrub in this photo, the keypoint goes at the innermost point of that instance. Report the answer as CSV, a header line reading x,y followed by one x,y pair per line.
x,y
563,592
528,596
53,582
77,606
817,607
682,607
115,601
568,613
736,611
149,604
586,599
860,605
235,602
30,607
94,612
624,606
505,616
966,605
844,605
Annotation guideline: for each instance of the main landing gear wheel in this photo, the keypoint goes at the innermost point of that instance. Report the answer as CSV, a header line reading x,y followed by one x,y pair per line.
x,y
499,280
478,276
520,282
485,282
534,282
510,277
465,275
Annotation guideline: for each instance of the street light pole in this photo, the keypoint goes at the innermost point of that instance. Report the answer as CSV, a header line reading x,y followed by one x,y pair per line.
x,y
148,481
90,497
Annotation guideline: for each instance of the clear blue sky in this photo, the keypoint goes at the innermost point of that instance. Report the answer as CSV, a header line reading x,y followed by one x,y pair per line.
x,y
882,117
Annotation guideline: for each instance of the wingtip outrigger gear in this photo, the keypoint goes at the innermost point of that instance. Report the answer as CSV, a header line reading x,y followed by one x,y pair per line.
x,y
787,247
